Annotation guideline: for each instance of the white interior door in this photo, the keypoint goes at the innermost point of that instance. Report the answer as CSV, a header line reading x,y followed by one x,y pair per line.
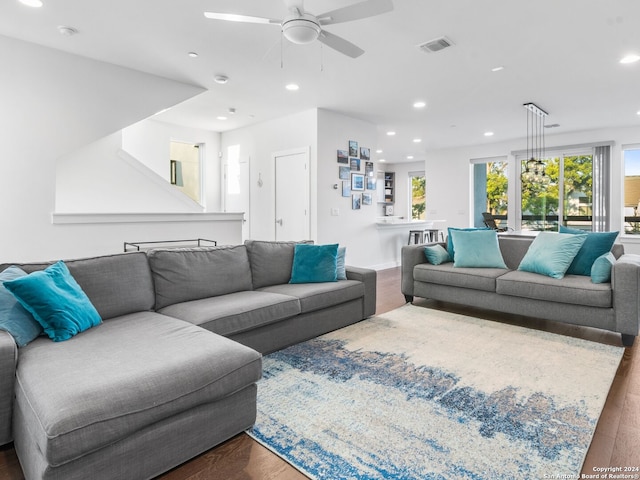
x,y
292,194
236,186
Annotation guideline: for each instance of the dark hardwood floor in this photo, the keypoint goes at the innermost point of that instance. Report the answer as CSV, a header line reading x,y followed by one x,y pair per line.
x,y
616,442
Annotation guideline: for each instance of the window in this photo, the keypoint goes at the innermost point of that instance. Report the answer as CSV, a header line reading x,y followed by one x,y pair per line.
x,y
490,190
417,204
631,215
577,194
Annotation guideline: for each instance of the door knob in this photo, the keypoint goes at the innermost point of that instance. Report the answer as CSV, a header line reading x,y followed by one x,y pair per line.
x,y
279,221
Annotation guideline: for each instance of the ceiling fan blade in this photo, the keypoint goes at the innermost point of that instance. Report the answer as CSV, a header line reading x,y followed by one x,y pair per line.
x,y
368,8
232,17
340,44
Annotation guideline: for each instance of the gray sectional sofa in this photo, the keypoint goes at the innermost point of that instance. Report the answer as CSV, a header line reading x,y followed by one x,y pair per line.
x,y
172,369
574,299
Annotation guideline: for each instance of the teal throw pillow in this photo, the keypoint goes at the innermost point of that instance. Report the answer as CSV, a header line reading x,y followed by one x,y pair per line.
x,y
477,249
596,244
341,267
551,253
450,246
56,301
314,263
601,268
436,254
13,317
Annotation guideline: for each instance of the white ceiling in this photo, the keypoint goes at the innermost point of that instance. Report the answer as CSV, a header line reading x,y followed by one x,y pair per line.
x,y
561,54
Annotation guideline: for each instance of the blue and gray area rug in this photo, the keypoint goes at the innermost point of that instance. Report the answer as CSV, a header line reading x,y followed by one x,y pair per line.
x,y
423,394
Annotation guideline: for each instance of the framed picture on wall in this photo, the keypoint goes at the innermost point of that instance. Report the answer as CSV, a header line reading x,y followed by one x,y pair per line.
x,y
356,201
344,173
367,199
357,182
368,169
364,153
371,183
343,156
354,163
353,148
346,188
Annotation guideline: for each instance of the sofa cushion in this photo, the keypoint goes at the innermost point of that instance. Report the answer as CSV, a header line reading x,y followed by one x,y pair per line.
x,y
477,249
595,245
143,368
341,268
436,254
315,296
184,274
235,312
450,246
551,253
124,285
601,268
314,263
447,274
271,262
54,298
573,289
13,317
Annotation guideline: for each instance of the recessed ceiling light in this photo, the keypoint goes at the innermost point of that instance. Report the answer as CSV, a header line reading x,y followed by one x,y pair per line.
x,y
292,87
419,104
221,79
638,112
417,140
382,160
630,58
497,69
32,3
378,151
391,133
193,54
409,157
488,134
221,117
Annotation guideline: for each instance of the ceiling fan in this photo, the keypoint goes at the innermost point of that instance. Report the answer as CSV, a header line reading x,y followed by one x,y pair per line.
x,y
302,27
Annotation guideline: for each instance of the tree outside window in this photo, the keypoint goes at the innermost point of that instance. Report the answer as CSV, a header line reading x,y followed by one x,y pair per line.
x,y
418,196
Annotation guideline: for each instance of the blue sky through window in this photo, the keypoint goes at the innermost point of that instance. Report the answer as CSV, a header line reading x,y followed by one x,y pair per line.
x,y
632,162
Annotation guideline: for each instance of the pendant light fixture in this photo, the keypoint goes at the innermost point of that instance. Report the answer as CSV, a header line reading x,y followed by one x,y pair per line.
x,y
534,170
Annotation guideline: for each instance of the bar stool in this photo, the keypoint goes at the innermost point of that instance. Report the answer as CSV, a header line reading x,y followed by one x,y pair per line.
x,y
418,236
433,234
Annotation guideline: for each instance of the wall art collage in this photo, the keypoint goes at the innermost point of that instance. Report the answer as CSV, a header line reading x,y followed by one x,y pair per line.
x,y
357,175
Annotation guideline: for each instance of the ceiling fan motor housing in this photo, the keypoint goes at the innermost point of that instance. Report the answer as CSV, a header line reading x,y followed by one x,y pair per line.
x,y
301,29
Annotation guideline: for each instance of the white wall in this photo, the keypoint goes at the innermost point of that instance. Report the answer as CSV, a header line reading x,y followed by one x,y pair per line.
x,y
257,144
148,141
449,180
101,178
366,245
54,103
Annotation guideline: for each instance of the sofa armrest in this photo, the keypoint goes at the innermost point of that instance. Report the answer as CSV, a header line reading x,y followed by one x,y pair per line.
x,y
8,362
411,255
368,277
625,282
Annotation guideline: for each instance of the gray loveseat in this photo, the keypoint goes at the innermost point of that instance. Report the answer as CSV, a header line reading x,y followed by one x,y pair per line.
x,y
172,369
574,299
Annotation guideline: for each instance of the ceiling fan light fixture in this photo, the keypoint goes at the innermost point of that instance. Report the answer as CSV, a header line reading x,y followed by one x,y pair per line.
x,y
301,30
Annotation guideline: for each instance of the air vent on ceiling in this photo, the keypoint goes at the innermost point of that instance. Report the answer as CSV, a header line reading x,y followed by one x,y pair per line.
x,y
436,45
